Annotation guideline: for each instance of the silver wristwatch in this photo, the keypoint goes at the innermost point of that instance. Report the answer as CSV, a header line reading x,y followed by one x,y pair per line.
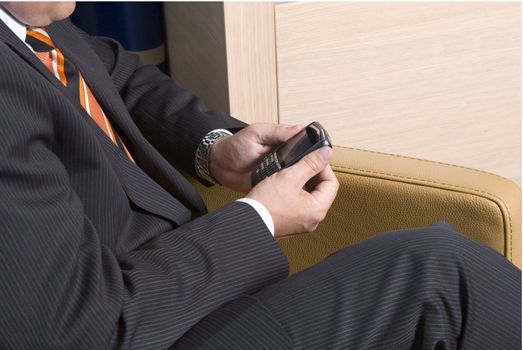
x,y
203,153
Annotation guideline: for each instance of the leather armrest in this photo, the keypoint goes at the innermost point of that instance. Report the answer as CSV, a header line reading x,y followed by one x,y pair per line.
x,y
383,192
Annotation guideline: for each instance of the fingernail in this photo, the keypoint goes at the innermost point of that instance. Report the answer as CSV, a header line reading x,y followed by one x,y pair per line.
x,y
325,154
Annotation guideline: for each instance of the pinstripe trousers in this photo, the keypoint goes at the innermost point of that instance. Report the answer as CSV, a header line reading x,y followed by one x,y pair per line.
x,y
424,288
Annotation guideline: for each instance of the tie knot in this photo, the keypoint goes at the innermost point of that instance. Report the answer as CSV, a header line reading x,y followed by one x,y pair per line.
x,y
39,40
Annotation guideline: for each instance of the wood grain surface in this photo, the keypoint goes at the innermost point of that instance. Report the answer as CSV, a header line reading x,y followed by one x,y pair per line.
x,y
251,60
439,81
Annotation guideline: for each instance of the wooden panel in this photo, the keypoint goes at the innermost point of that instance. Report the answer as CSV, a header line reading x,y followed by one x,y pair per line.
x,y
251,62
438,81
225,53
196,48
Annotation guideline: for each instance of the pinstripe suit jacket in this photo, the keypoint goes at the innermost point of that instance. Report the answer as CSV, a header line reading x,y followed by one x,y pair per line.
x,y
95,251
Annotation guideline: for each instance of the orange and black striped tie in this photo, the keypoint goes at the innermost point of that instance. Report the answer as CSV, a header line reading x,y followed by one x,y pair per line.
x,y
53,58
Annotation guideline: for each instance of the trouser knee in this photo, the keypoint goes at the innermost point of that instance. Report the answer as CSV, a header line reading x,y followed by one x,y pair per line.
x,y
439,240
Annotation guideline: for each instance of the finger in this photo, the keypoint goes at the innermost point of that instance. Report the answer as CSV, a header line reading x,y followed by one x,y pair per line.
x,y
309,166
313,183
274,134
326,188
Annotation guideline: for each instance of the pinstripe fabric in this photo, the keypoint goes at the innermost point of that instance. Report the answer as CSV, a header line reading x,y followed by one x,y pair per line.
x,y
426,288
96,252
54,60
243,323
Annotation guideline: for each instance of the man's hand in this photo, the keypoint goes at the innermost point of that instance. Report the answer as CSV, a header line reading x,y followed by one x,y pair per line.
x,y
299,197
233,158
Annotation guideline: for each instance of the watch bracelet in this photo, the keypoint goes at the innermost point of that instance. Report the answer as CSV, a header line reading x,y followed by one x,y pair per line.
x,y
202,159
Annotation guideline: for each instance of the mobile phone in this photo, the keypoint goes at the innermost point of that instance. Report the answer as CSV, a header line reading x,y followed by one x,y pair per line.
x,y
312,137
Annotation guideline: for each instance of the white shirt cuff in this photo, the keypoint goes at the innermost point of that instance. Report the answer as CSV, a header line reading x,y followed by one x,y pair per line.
x,y
262,211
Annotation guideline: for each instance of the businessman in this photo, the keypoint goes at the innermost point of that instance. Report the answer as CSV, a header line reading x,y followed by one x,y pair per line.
x,y
104,244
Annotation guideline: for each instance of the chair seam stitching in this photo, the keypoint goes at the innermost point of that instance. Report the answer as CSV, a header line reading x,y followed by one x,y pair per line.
x,y
426,161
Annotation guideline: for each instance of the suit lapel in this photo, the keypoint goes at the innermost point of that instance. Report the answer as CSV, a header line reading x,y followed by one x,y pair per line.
x,y
74,47
140,188
7,36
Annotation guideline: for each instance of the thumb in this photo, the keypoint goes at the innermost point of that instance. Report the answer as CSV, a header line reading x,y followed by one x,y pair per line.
x,y
274,134
310,165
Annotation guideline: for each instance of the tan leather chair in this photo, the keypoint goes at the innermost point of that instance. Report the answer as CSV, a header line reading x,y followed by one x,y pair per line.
x,y
383,192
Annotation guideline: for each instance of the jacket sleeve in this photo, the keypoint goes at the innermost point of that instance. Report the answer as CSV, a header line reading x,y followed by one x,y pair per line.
x,y
60,288
171,117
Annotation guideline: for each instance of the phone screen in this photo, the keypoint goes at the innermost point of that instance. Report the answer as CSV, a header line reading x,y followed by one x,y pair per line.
x,y
296,146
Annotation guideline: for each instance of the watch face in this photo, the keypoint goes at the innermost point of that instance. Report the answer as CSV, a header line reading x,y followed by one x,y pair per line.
x,y
296,146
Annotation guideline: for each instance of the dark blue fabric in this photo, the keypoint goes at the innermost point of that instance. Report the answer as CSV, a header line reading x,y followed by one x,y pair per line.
x,y
138,26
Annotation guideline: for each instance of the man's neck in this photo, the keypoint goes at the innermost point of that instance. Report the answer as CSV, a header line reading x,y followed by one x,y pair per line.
x,y
18,28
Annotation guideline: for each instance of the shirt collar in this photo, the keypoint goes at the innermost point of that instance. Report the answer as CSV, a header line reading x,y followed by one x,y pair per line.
x,y
18,28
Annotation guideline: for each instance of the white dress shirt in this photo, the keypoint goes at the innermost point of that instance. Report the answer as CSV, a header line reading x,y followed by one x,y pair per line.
x,y
20,31
18,28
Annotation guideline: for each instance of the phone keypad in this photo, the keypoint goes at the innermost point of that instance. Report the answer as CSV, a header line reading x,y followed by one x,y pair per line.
x,y
268,166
